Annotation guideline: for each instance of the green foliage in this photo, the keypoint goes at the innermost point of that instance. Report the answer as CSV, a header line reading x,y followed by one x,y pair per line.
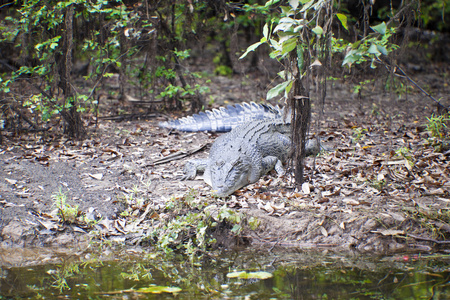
x,y
226,214
172,91
437,125
284,35
63,273
358,133
377,184
42,25
431,219
434,14
184,232
191,222
110,37
357,88
68,213
370,48
223,70
404,152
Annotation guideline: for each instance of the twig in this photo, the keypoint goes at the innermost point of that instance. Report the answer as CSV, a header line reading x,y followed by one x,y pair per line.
x,y
404,75
6,4
427,239
129,117
103,73
176,156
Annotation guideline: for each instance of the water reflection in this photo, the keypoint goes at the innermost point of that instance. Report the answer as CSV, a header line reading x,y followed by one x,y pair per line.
x,y
296,275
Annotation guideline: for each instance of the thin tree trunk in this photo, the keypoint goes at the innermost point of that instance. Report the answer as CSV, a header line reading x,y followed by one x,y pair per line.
x,y
300,104
74,125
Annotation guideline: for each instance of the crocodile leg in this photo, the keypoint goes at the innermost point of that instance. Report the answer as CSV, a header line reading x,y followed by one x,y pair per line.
x,y
271,162
193,167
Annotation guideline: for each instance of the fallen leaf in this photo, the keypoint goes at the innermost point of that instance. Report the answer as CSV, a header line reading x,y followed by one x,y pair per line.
x,y
156,289
250,275
323,231
305,188
97,176
11,181
438,191
350,201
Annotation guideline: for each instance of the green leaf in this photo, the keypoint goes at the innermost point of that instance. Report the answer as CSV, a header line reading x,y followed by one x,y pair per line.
x,y
307,5
275,91
156,289
283,27
373,50
236,228
282,74
351,57
250,275
317,30
294,3
266,31
269,3
236,274
343,19
382,49
300,60
380,28
289,45
288,88
287,11
253,47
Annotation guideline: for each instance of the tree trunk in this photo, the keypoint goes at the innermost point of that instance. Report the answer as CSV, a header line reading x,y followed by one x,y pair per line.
x,y
300,104
73,123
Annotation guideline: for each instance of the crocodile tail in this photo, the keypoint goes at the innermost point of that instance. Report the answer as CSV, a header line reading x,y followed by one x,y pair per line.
x,y
224,119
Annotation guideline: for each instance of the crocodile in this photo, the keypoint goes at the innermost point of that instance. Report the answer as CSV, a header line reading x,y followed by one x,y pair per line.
x,y
225,119
259,141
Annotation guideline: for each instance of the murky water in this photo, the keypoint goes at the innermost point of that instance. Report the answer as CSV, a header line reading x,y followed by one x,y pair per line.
x,y
293,275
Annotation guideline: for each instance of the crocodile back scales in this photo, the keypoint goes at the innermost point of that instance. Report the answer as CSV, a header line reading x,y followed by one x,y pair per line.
x,y
225,119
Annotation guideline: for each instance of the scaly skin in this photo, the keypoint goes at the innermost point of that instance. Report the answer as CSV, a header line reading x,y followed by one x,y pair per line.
x,y
225,119
243,155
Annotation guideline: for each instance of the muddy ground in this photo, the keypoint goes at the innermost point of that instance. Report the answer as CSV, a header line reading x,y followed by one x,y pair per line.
x,y
383,187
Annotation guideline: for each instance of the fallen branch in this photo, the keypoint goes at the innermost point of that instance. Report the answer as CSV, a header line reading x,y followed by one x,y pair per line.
x,y
427,239
404,75
129,117
176,156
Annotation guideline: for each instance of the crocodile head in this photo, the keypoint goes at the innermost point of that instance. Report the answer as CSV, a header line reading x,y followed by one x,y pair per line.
x,y
228,175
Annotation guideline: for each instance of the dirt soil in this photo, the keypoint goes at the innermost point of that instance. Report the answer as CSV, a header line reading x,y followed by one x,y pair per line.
x,y
382,188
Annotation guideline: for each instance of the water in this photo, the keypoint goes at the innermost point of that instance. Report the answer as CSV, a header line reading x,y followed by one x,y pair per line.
x,y
295,275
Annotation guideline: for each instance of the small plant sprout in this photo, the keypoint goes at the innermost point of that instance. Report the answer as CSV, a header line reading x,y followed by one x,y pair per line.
x,y
358,133
67,213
